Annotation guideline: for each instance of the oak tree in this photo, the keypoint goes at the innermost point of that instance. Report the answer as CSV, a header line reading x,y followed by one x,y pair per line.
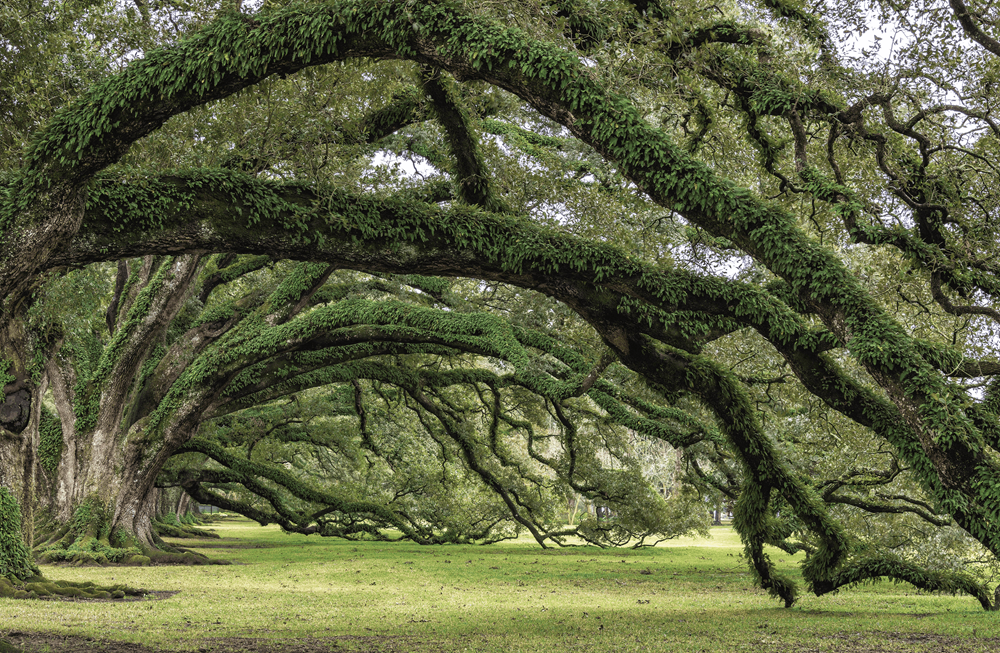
x,y
771,180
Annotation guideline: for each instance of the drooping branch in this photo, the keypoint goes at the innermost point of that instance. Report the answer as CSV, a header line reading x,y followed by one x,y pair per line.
x,y
897,569
246,472
407,107
887,508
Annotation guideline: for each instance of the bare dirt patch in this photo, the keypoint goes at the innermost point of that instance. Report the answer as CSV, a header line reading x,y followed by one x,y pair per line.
x,y
147,595
30,642
895,643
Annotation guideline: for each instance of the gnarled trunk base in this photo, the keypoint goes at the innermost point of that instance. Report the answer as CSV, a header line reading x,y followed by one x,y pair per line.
x,y
91,537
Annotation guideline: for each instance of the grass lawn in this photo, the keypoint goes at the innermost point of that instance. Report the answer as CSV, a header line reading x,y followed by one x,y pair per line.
x,y
313,594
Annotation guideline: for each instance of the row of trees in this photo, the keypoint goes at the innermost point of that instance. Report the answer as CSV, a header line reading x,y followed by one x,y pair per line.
x,y
631,229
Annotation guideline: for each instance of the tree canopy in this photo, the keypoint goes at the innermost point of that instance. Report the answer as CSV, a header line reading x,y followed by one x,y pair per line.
x,y
732,229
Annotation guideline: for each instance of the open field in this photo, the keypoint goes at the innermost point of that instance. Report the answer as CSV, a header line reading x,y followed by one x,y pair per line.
x,y
307,594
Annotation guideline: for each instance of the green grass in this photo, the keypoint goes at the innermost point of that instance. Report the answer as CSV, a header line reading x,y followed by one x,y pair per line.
x,y
504,598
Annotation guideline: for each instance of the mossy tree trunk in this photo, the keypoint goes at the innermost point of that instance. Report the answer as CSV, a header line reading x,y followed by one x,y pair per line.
x,y
95,477
147,395
20,416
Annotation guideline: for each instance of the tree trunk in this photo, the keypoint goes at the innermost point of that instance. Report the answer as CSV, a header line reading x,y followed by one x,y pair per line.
x,y
103,498
112,519
19,419
137,498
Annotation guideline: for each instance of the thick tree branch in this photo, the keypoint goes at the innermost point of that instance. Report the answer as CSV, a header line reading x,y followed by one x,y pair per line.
x,y
972,29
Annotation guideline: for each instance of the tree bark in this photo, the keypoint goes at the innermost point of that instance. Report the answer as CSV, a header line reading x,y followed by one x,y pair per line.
x,y
103,462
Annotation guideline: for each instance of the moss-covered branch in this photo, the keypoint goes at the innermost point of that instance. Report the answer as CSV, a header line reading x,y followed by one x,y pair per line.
x,y
470,169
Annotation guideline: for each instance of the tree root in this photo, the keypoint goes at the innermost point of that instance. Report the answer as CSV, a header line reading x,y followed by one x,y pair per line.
x,y
182,556
89,550
180,530
92,552
38,587
88,539
171,554
101,552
